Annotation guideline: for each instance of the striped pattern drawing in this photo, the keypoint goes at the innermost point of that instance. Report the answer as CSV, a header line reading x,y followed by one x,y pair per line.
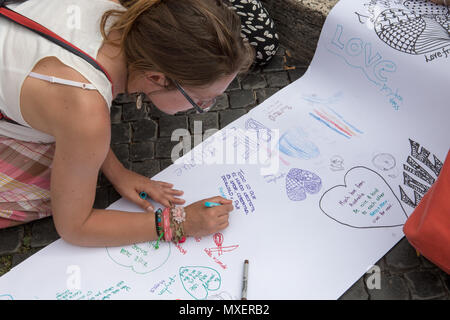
x,y
419,28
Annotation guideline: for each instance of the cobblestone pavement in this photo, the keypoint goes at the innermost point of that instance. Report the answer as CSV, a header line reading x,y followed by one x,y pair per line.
x,y
141,140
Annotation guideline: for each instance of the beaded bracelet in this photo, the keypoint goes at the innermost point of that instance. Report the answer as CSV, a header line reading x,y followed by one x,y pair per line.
x,y
178,216
158,222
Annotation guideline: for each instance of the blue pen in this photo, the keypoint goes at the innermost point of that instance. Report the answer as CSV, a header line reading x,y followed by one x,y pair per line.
x,y
143,195
212,204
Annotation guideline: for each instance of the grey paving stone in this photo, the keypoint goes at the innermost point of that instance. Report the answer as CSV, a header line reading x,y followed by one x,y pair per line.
x,y
11,240
296,73
102,180
170,123
281,51
43,232
227,117
254,81
425,285
164,147
263,94
207,121
392,287
101,198
146,168
124,98
293,62
116,113
230,116
445,277
144,130
164,163
356,292
113,195
120,133
299,23
427,264
222,103
241,99
154,112
277,79
130,112
402,256
276,64
121,151
142,151
20,257
234,85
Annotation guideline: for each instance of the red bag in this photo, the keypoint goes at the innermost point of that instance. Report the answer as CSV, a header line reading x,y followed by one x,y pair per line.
x,y
428,227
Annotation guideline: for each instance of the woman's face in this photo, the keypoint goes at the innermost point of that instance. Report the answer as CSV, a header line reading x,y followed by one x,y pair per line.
x,y
171,101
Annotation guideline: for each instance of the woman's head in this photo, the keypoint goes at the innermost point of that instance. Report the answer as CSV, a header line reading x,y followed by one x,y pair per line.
x,y
196,43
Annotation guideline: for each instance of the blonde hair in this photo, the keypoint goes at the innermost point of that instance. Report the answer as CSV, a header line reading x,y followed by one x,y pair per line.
x,y
194,42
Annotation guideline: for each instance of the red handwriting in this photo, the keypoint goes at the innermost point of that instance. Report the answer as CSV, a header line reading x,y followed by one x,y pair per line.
x,y
181,249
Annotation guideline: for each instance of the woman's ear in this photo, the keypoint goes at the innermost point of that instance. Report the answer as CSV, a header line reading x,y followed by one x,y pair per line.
x,y
157,78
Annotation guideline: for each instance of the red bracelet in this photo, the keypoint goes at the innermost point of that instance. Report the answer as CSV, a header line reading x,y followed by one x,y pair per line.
x,y
167,229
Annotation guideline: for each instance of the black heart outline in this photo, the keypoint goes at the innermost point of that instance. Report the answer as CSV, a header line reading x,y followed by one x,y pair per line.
x,y
345,185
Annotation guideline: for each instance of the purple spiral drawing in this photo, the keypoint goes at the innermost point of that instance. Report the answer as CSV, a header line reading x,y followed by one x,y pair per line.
x,y
299,182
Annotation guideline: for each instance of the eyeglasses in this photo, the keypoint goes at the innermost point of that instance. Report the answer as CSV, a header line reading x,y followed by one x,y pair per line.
x,y
202,106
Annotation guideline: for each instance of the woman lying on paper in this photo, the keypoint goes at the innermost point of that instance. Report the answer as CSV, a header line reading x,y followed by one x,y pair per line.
x,y
55,95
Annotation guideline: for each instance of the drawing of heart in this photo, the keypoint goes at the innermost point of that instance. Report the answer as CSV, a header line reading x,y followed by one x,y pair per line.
x,y
199,281
420,28
365,200
299,182
142,257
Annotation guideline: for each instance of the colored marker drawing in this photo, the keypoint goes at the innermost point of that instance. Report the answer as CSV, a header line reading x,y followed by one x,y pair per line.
x,y
299,182
219,248
295,143
263,132
141,258
199,281
326,115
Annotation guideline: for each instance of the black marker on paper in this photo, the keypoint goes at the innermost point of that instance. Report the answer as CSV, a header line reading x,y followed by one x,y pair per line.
x,y
245,281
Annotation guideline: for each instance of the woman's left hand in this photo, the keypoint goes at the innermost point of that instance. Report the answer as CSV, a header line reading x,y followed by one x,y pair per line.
x,y
130,184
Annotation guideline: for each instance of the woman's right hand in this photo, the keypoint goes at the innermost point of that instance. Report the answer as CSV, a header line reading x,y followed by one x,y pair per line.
x,y
203,221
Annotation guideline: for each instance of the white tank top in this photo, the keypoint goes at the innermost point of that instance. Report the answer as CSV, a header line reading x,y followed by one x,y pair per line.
x,y
77,21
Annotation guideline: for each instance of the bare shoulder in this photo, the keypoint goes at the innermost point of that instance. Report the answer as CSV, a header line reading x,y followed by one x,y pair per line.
x,y
48,107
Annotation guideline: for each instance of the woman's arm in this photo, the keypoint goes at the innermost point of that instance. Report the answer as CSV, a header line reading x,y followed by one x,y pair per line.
x,y
82,145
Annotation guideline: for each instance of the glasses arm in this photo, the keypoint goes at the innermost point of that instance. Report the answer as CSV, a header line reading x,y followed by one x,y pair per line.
x,y
196,107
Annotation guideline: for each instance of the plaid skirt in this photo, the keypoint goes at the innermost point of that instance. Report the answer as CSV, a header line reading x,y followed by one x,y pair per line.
x,y
24,181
